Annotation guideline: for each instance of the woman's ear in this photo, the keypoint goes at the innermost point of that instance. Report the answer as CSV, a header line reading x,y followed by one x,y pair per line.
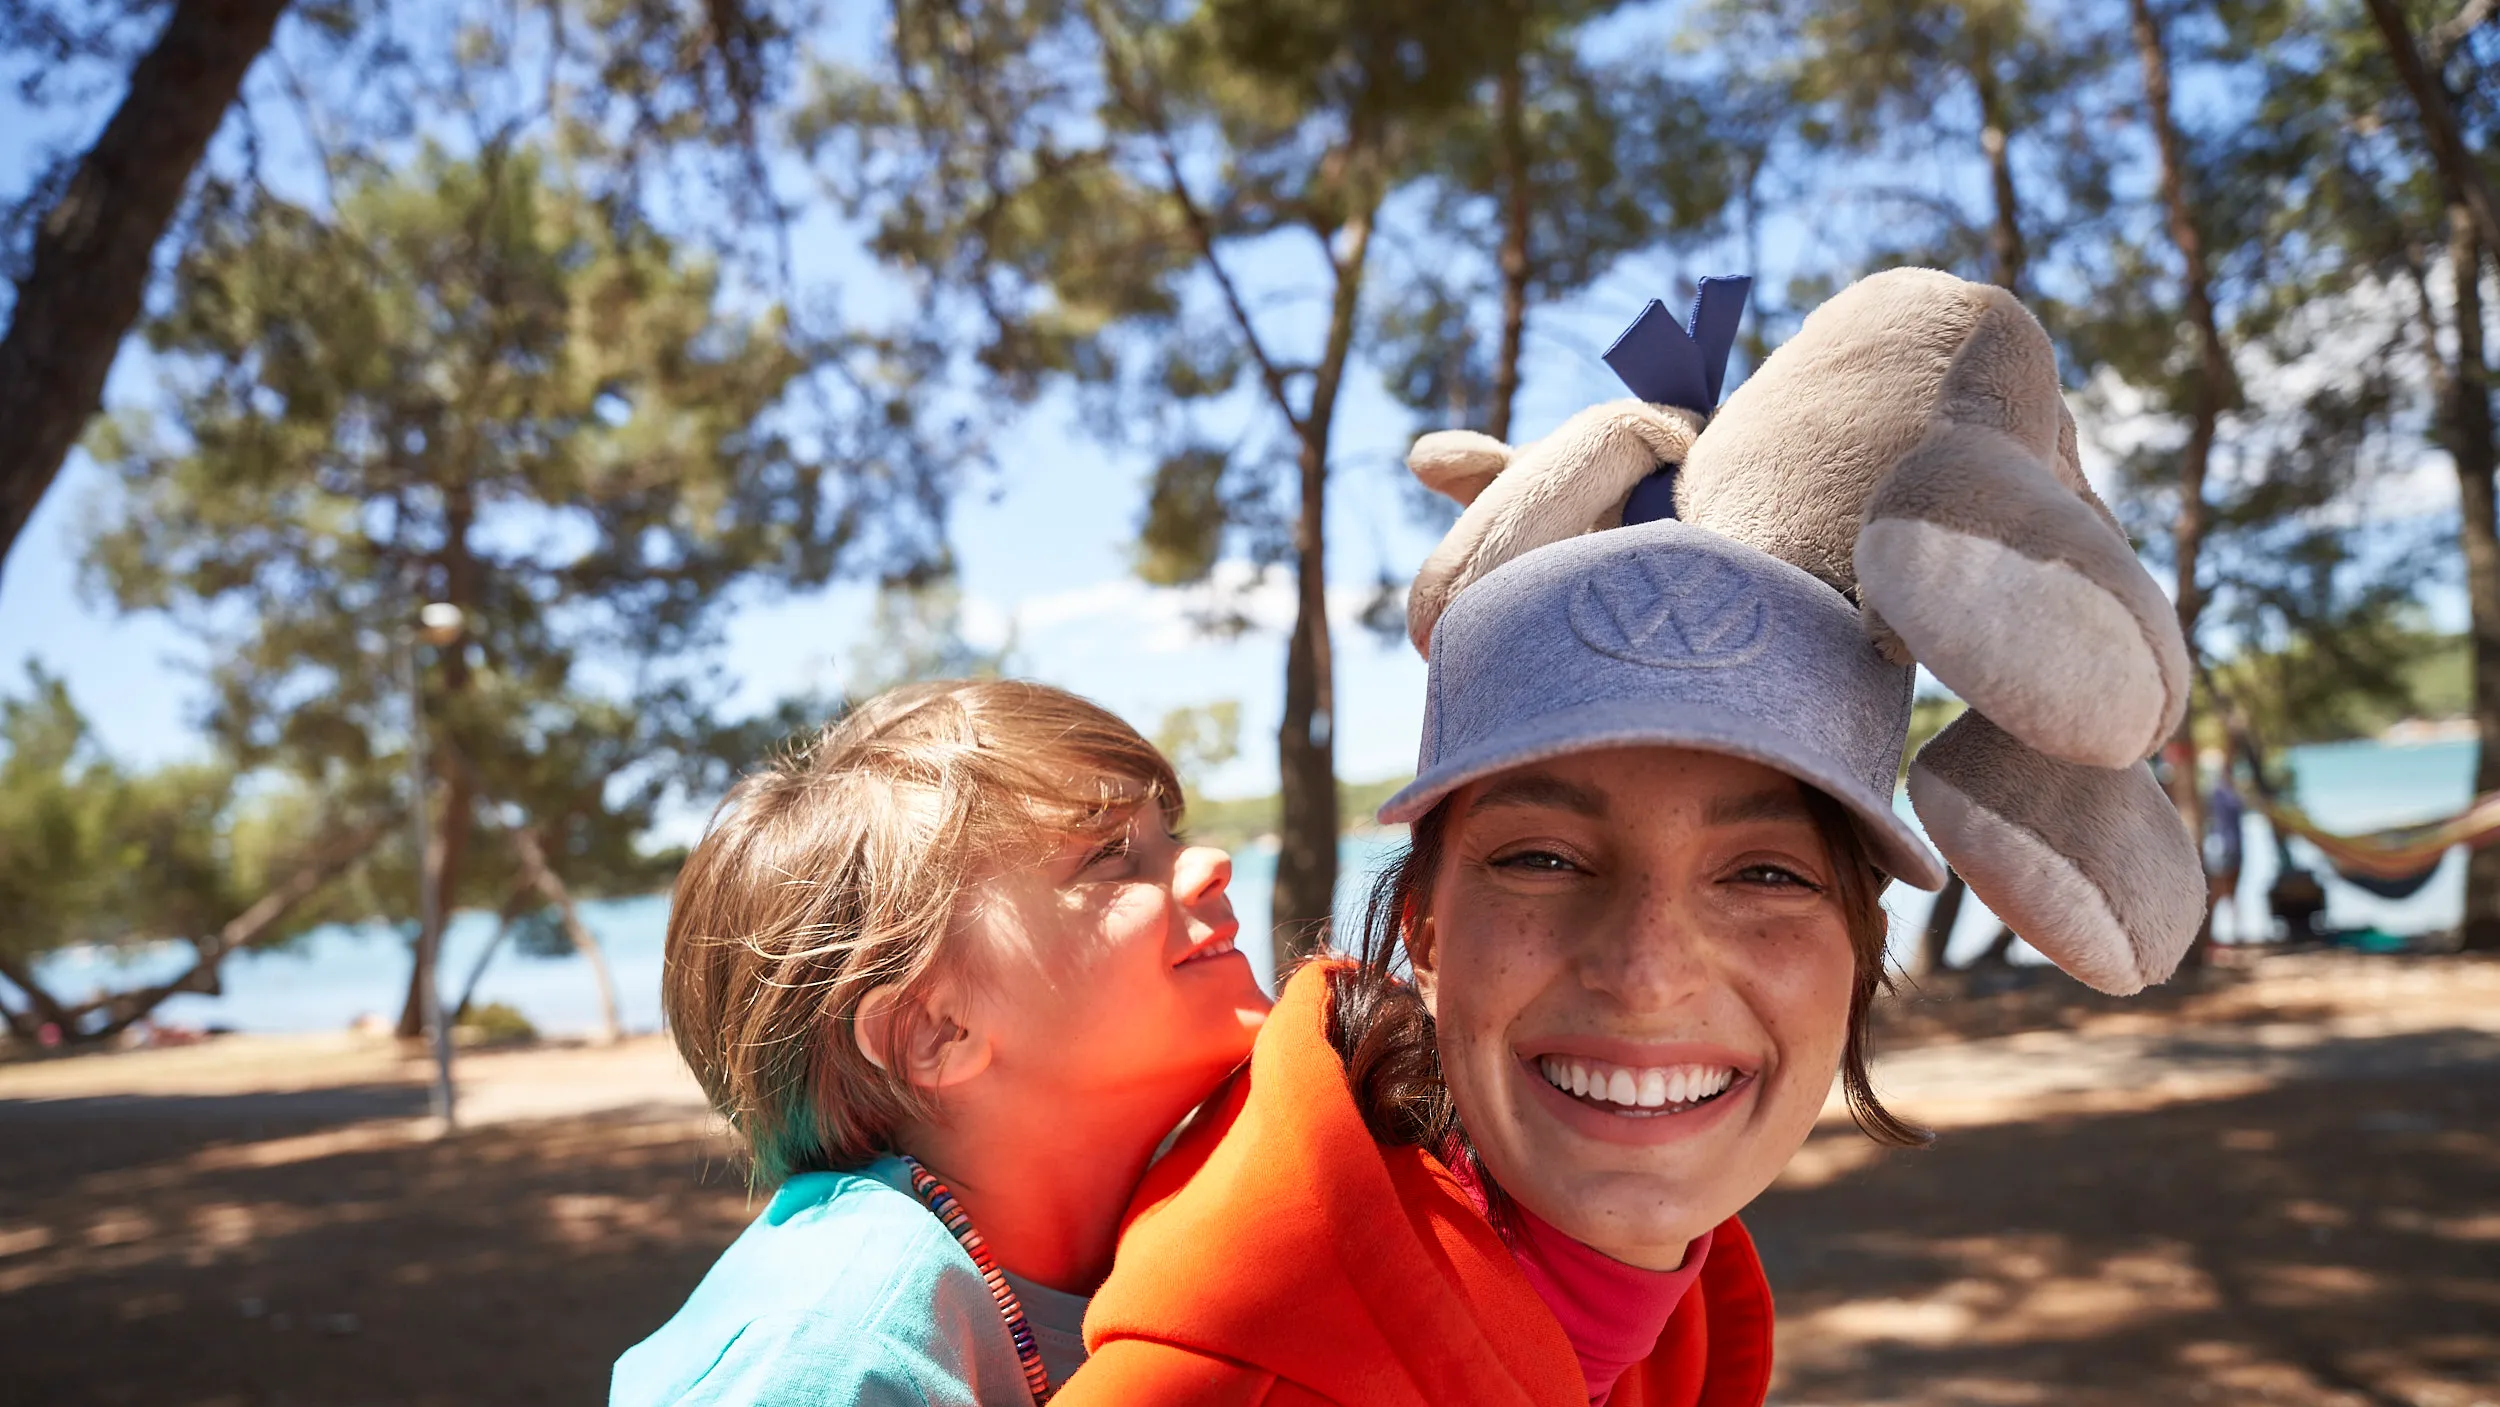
x,y
1423,957
933,1034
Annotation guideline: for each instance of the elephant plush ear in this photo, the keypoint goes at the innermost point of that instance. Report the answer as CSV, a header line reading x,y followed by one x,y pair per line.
x,y
2091,865
1570,482
1457,464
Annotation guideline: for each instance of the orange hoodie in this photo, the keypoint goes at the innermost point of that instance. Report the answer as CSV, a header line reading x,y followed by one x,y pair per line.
x,y
1278,1255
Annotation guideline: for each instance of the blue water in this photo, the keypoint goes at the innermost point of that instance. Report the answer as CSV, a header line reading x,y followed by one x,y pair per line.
x,y
2347,788
337,974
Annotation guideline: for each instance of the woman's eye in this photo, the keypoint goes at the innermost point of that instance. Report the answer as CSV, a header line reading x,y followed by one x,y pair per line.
x,y
1536,862
1777,877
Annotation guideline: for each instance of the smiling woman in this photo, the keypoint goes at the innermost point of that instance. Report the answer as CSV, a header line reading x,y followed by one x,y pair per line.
x,y
1603,997
1648,961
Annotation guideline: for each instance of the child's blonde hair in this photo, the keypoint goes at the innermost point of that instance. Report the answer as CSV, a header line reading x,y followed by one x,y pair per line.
x,y
841,868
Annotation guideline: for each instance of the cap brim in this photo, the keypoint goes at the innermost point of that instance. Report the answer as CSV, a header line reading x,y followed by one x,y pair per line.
x,y
1614,723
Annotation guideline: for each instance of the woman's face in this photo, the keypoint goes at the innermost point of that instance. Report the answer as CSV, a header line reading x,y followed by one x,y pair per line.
x,y
1641,974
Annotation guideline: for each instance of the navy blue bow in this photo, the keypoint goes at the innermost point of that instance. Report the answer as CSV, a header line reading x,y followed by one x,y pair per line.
x,y
1663,363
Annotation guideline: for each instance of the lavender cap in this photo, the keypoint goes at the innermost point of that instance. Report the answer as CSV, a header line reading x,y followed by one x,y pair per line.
x,y
1669,635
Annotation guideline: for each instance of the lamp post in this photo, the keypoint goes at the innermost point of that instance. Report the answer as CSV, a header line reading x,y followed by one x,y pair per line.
x,y
438,624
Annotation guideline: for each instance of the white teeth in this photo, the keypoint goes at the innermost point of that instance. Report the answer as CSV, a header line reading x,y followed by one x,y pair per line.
x,y
1656,1087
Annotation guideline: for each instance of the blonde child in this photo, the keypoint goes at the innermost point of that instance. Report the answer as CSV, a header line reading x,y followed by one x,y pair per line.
x,y
951,977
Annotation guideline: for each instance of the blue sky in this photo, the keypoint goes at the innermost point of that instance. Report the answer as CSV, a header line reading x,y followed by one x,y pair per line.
x,y
1042,539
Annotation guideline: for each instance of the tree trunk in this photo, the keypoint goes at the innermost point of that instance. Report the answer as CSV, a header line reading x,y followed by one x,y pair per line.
x,y
42,1008
248,929
1941,917
1510,131
1306,745
504,919
549,883
2457,165
2000,949
2471,448
443,858
2005,234
257,923
2213,391
94,250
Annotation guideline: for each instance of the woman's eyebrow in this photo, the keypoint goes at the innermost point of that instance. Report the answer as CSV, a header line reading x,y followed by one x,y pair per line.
x,y
1540,789
1770,804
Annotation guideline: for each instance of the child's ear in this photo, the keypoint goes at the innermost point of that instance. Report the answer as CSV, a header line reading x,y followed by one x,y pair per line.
x,y
1423,958
933,1034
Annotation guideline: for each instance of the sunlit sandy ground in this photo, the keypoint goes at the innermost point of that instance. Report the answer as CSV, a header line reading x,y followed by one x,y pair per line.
x,y
2282,1186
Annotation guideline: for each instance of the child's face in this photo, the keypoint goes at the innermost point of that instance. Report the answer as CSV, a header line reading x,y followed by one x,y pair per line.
x,y
1110,971
1641,981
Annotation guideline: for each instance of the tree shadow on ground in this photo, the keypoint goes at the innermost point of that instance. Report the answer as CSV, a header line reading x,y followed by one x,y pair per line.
x,y
304,1251
2335,1240
55,1140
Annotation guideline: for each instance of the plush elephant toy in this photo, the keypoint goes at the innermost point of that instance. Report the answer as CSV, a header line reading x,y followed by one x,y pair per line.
x,y
1910,447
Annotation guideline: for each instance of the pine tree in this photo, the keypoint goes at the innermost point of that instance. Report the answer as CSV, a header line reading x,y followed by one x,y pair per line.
x,y
476,385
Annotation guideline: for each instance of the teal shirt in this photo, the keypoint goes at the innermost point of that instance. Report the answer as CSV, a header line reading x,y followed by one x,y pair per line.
x,y
845,1291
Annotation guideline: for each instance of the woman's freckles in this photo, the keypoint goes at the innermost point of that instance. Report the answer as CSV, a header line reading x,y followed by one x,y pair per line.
x,y
1646,919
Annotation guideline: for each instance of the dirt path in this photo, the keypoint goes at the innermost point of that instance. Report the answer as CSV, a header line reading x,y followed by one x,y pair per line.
x,y
2284,1189
2281,1188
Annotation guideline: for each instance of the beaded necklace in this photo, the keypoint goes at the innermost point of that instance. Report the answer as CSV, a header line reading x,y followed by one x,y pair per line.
x,y
939,1199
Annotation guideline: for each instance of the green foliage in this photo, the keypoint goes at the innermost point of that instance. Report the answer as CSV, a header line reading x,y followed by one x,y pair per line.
x,y
92,852
473,384
1199,739
1614,156
1929,715
1237,821
1186,514
496,1023
2344,685
1083,176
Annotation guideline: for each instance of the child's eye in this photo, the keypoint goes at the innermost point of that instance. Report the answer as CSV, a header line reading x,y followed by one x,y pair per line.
x,y
1117,847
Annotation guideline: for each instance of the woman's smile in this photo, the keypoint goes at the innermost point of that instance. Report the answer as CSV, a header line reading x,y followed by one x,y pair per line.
x,y
1636,1103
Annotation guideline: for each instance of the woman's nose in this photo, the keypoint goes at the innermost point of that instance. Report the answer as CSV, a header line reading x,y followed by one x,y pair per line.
x,y
1201,873
1648,958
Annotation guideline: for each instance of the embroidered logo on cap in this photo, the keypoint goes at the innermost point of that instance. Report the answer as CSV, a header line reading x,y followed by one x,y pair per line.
x,y
1671,612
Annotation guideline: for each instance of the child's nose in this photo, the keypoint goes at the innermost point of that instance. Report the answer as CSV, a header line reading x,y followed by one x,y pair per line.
x,y
1201,873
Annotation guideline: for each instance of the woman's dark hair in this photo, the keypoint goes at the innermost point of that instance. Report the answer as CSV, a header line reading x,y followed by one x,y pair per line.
x,y
1384,1033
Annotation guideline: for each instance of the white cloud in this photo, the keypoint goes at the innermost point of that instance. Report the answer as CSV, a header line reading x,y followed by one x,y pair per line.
x,y
1163,620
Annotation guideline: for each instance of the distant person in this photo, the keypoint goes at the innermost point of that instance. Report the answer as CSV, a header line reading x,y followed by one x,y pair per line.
x,y
952,978
1602,1000
2225,847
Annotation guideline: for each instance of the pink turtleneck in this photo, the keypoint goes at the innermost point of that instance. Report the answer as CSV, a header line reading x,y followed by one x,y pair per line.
x,y
1613,1313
